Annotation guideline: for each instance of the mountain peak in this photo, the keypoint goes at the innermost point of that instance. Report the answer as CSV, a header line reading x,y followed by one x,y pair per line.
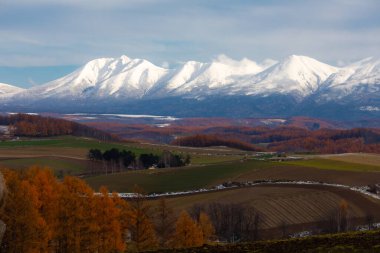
x,y
360,75
294,79
296,56
300,75
124,59
9,89
300,59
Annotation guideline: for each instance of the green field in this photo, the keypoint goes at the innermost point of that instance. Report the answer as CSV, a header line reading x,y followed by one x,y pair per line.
x,y
73,142
67,154
176,179
329,164
58,165
215,171
210,159
64,155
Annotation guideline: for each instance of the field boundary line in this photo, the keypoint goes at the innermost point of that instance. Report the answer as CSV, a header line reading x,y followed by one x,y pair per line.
x,y
232,186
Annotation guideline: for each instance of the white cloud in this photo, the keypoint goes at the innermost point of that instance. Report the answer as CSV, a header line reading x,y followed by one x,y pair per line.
x,y
51,32
89,4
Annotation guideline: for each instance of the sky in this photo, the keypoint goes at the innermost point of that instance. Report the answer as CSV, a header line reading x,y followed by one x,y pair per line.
x,y
41,40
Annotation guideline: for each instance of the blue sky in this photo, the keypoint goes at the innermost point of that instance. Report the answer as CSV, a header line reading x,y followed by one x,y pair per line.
x,y
43,39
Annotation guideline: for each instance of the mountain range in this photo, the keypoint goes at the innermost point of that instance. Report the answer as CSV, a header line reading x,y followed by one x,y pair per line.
x,y
296,85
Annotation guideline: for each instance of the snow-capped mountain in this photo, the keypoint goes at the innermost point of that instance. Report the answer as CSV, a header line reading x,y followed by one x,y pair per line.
x,y
292,86
196,79
102,78
135,79
7,89
360,80
296,75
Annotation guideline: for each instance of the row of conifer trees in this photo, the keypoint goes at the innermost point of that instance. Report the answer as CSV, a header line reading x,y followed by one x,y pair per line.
x,y
115,160
43,214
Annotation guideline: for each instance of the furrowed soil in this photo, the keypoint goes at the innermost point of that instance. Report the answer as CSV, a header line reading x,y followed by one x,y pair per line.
x,y
286,204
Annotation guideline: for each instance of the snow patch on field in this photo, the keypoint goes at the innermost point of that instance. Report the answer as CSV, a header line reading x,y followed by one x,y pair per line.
x,y
232,185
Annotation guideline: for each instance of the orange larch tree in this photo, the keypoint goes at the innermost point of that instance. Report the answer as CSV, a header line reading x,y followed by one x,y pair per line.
x,y
48,190
78,227
110,237
208,230
26,229
164,222
142,229
187,232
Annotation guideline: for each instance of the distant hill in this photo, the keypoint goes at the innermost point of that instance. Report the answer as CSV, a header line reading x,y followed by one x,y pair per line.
x,y
38,126
214,140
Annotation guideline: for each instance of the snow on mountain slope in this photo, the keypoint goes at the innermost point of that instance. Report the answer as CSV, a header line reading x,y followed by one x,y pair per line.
x,y
74,84
297,75
360,77
297,85
6,89
135,80
102,78
177,77
194,79
121,78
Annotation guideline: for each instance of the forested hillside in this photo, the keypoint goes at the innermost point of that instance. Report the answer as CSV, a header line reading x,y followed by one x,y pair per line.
x,y
288,139
38,126
214,140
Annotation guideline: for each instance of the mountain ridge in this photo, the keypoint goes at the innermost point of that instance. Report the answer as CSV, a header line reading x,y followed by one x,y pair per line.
x,y
8,89
302,83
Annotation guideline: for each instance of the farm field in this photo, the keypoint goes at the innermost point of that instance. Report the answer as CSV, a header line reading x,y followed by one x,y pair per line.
x,y
297,172
194,177
211,159
300,207
359,158
39,151
69,142
68,153
65,155
210,166
60,166
175,179
334,164
286,204
71,145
